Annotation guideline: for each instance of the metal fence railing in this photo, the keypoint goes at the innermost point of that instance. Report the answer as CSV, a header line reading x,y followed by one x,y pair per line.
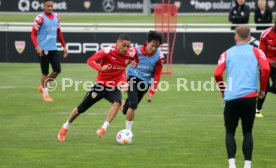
x,y
26,26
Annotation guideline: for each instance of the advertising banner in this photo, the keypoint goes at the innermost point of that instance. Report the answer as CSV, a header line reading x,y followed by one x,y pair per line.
x,y
211,6
190,47
83,6
125,6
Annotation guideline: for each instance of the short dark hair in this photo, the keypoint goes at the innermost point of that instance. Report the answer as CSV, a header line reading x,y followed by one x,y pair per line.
x,y
124,37
44,1
156,36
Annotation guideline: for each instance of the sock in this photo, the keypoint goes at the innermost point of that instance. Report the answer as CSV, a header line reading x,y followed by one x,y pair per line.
x,y
258,111
45,91
232,163
105,125
129,125
66,125
247,164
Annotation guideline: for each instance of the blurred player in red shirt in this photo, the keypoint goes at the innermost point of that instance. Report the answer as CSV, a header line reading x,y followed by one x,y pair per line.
x,y
45,32
268,46
111,74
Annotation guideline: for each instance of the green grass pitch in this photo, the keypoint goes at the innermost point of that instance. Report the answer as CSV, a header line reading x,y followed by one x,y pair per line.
x,y
178,129
119,18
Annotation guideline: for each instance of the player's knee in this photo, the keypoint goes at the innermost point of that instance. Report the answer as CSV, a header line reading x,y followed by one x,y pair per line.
x,y
230,129
247,130
57,71
116,105
133,104
45,73
81,109
247,133
125,108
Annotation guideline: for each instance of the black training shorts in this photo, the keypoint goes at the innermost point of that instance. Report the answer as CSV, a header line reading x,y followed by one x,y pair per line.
x,y
137,89
96,93
49,57
242,108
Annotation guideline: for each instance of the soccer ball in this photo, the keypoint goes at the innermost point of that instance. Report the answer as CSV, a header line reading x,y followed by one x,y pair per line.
x,y
124,137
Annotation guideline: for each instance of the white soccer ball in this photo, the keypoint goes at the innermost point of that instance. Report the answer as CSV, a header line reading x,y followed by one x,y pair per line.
x,y
124,137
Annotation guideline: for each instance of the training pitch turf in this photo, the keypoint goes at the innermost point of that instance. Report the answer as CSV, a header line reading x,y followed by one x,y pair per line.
x,y
118,18
178,129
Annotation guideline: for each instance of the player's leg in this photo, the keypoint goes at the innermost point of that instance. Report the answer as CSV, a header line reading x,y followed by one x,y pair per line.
x,y
90,98
247,114
131,93
231,119
55,63
272,88
141,89
133,100
125,106
114,96
260,102
44,64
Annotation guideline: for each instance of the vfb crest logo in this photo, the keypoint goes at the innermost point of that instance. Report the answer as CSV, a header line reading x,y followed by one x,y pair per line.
x,y
20,46
87,4
197,47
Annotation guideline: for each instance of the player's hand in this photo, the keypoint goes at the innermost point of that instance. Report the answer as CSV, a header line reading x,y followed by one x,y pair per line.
x,y
39,51
272,64
124,87
149,98
134,64
261,94
65,52
106,67
222,94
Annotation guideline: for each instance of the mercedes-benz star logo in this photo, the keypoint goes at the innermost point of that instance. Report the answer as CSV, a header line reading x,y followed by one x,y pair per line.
x,y
108,5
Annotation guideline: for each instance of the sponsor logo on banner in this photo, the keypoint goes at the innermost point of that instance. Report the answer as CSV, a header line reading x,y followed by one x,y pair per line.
x,y
211,5
197,47
129,6
83,48
271,3
20,46
87,4
24,5
27,5
108,5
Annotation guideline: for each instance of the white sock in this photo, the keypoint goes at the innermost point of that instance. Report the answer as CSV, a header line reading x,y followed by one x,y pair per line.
x,y
129,125
232,163
247,164
105,125
66,125
45,91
